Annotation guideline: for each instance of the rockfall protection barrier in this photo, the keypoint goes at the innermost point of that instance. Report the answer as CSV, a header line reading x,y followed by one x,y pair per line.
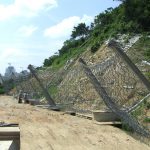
x,y
115,83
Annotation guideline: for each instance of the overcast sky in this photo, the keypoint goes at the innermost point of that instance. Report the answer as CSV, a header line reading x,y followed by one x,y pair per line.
x,y
32,30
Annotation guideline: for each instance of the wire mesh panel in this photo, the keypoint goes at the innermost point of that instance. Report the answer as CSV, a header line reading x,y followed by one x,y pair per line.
x,y
122,84
110,103
26,83
122,87
77,93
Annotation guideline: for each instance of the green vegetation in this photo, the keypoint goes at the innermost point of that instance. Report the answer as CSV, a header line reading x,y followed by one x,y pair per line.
x,y
147,120
141,49
132,16
139,113
126,127
1,89
53,90
9,85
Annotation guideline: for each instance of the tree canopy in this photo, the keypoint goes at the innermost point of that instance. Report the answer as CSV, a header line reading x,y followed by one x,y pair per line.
x,y
80,31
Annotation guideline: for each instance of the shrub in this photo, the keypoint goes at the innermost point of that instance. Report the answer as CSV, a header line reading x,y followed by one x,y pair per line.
x,y
2,91
95,47
147,120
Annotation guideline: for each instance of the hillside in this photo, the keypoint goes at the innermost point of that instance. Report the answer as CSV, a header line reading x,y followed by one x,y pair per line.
x,y
129,18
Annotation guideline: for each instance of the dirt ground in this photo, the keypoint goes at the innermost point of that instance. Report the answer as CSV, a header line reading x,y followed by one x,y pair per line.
x,y
42,129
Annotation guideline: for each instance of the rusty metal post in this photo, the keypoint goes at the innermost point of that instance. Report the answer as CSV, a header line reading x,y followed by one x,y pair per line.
x,y
45,91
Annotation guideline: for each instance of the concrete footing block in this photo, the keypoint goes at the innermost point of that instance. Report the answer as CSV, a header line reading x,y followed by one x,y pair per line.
x,y
105,116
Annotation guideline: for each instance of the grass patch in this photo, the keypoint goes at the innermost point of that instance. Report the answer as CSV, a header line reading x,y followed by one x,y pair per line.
x,y
147,120
53,90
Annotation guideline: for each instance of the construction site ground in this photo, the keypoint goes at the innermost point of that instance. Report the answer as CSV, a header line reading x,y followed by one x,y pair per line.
x,y
42,129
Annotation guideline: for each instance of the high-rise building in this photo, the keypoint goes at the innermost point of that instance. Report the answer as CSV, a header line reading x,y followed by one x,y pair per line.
x,y
10,71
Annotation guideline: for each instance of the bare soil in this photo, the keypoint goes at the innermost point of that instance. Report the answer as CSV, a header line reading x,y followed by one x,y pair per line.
x,y
43,129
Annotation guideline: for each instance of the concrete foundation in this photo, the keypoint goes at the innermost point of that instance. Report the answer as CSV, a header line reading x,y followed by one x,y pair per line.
x,y
105,116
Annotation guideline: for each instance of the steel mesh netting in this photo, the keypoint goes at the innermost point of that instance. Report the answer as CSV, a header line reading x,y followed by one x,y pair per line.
x,y
74,90
35,90
69,89
51,81
27,84
45,77
122,84
77,93
126,90
142,113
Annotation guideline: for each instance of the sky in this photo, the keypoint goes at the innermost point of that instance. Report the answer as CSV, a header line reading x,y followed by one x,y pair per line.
x,y
32,30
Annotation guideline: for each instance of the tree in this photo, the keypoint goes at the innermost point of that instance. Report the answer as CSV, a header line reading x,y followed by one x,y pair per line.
x,y
80,31
50,60
138,11
104,18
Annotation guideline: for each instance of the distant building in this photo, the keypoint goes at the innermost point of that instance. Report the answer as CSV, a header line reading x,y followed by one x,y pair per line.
x,y
10,71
